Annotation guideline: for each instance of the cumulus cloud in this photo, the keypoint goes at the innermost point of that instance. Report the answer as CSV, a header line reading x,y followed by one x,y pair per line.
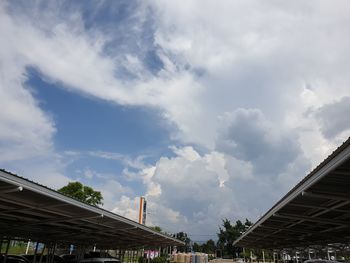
x,y
252,166
333,118
247,135
207,66
240,86
197,190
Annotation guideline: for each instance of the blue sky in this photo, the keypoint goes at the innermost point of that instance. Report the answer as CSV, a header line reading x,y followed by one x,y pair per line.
x,y
210,110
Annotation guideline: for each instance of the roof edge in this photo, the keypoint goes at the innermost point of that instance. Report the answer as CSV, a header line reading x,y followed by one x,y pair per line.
x,y
340,155
35,187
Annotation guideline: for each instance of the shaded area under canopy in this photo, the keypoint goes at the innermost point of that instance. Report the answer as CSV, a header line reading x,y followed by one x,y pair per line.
x,y
31,211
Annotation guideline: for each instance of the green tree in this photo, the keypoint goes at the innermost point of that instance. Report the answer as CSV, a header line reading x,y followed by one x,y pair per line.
x,y
183,237
157,228
229,233
82,193
209,247
197,247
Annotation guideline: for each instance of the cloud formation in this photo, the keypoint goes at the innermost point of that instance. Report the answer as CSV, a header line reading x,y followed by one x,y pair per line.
x,y
333,118
257,93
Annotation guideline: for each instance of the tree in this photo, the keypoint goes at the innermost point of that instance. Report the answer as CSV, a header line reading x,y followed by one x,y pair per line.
x,y
209,247
82,193
183,237
197,247
157,228
230,233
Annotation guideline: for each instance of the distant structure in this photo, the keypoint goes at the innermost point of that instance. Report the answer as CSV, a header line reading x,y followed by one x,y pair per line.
x,y
142,211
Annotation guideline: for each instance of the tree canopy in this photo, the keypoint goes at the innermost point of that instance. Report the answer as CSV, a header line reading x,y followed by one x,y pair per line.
x,y
157,228
229,233
183,237
82,193
208,247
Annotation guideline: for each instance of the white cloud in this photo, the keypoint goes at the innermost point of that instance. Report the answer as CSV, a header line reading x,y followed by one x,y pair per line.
x,y
333,121
128,207
193,194
210,66
243,86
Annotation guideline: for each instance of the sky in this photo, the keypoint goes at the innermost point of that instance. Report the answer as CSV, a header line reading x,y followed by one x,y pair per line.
x,y
209,109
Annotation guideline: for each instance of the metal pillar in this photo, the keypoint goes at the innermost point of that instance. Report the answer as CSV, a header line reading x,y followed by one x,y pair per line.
x,y
53,253
296,256
6,251
329,257
120,254
263,254
42,253
48,253
35,251
27,249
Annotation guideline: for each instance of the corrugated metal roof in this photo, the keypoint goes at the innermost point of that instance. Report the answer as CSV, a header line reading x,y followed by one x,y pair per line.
x,y
31,210
315,211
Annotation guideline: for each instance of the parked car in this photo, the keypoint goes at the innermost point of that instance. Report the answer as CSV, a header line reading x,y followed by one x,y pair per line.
x,y
56,259
100,260
97,254
13,259
69,258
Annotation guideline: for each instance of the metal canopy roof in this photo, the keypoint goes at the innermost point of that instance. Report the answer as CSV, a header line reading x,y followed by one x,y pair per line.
x,y
32,211
315,212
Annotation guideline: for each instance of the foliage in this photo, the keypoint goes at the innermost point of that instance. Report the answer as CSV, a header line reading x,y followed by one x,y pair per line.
x,y
16,247
82,193
161,259
230,233
211,257
157,228
183,237
208,247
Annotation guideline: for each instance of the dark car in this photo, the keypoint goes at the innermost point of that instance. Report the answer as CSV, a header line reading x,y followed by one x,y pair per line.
x,y
13,259
69,258
56,259
97,254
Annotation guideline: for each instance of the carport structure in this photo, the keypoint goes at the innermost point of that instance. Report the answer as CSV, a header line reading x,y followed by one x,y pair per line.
x,y
32,211
315,212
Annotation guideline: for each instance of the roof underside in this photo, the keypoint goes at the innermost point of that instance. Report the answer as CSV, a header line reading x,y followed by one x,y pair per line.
x,y
32,211
315,212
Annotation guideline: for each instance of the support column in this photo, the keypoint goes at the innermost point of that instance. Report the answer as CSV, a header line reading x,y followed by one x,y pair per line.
x,y
329,257
42,253
263,254
27,248
53,253
6,251
35,251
